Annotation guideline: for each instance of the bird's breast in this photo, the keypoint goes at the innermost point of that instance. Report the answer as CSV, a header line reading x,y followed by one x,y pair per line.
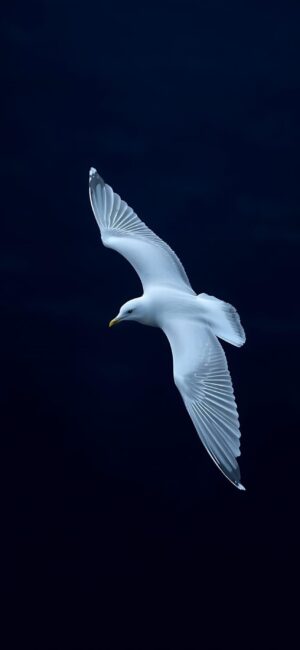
x,y
168,304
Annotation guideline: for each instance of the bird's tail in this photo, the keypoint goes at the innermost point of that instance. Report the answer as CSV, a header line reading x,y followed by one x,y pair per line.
x,y
223,319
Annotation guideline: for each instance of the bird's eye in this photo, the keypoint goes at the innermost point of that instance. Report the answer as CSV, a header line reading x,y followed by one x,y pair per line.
x,y
129,311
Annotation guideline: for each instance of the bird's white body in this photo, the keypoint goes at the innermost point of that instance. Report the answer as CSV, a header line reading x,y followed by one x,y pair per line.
x,y
158,305
191,323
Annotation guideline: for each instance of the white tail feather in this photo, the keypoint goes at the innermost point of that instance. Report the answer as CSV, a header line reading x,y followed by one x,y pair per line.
x,y
223,319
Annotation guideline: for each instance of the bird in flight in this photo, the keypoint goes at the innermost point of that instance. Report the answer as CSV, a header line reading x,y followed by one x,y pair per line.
x,y
192,324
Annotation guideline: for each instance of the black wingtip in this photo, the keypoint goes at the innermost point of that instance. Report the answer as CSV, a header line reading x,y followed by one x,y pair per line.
x,y
95,178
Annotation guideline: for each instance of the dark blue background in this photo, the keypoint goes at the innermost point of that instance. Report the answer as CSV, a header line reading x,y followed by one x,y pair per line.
x,y
122,534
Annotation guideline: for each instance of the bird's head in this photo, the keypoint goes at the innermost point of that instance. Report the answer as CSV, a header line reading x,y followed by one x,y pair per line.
x,y
135,309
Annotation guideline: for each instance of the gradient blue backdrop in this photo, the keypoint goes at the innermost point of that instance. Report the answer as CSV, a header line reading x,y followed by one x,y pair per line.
x,y
122,534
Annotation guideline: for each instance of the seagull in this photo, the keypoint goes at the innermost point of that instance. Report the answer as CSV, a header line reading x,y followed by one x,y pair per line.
x,y
193,324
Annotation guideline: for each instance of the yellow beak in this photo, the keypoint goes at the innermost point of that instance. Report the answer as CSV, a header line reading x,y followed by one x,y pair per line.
x,y
112,322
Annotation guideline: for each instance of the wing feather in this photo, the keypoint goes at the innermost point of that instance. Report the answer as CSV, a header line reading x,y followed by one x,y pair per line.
x,y
202,377
121,229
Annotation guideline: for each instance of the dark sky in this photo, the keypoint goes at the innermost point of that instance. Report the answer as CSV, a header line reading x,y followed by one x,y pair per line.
x,y
122,534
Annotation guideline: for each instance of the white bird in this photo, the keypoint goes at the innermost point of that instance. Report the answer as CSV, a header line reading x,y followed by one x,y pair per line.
x,y
191,323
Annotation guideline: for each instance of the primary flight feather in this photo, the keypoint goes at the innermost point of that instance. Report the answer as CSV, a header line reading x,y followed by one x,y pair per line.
x,y
191,323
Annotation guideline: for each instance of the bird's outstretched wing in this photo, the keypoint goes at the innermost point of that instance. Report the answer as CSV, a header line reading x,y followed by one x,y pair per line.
x,y
201,374
122,230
